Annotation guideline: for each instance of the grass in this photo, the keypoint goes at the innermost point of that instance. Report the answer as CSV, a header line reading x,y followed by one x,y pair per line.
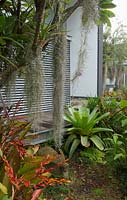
x,y
58,192
98,191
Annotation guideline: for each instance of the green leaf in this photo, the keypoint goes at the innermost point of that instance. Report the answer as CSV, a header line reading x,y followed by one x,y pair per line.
x,y
1,153
97,141
6,59
77,118
93,114
104,19
69,118
106,1
97,130
124,123
3,188
71,110
25,131
85,141
74,146
5,197
117,156
9,24
107,5
108,13
77,131
123,103
102,117
2,41
30,165
2,23
30,176
68,142
14,41
115,138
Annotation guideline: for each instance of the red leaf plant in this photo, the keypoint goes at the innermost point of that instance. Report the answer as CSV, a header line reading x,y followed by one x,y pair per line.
x,y
24,174
15,181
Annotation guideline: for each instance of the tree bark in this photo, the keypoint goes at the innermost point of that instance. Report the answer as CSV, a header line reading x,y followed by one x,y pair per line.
x,y
58,80
40,9
104,77
58,93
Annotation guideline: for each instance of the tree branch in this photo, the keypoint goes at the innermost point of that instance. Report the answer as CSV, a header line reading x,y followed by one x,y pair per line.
x,y
68,12
55,15
40,8
18,16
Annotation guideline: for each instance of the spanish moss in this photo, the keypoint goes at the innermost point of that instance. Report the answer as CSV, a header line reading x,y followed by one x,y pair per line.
x,y
34,83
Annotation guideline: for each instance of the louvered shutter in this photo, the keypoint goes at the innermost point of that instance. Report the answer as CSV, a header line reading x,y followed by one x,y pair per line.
x,y
47,104
67,75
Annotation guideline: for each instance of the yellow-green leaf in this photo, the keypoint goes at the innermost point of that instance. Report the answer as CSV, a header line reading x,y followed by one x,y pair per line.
x,y
3,188
1,153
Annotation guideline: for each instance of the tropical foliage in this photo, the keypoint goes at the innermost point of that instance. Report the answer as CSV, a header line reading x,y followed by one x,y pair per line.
x,y
114,56
113,153
23,174
115,145
116,108
25,25
105,13
84,128
32,25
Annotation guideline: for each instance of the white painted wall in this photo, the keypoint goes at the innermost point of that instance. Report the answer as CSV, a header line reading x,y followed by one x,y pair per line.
x,y
86,84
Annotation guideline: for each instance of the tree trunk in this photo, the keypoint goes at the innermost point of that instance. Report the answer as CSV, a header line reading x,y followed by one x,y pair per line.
x,y
119,77
58,79
58,93
104,76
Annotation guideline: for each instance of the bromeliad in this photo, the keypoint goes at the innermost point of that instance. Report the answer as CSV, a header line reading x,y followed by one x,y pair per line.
x,y
84,129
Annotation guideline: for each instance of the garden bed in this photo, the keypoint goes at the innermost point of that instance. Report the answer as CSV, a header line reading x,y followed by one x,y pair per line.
x,y
88,182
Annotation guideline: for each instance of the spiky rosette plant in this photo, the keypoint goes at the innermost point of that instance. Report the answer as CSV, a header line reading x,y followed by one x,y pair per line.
x,y
84,129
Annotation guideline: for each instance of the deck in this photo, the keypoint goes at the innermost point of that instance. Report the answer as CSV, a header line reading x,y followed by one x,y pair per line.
x,y
45,131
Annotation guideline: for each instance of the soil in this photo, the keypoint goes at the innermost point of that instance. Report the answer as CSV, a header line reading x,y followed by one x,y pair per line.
x,y
93,182
88,182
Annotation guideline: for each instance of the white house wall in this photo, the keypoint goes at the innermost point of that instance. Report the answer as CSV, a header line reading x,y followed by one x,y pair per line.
x,y
86,84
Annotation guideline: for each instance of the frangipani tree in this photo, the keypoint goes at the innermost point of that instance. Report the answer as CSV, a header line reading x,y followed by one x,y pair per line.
x,y
26,27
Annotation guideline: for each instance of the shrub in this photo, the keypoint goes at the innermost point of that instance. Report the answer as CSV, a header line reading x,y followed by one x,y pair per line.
x,y
117,112
23,174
